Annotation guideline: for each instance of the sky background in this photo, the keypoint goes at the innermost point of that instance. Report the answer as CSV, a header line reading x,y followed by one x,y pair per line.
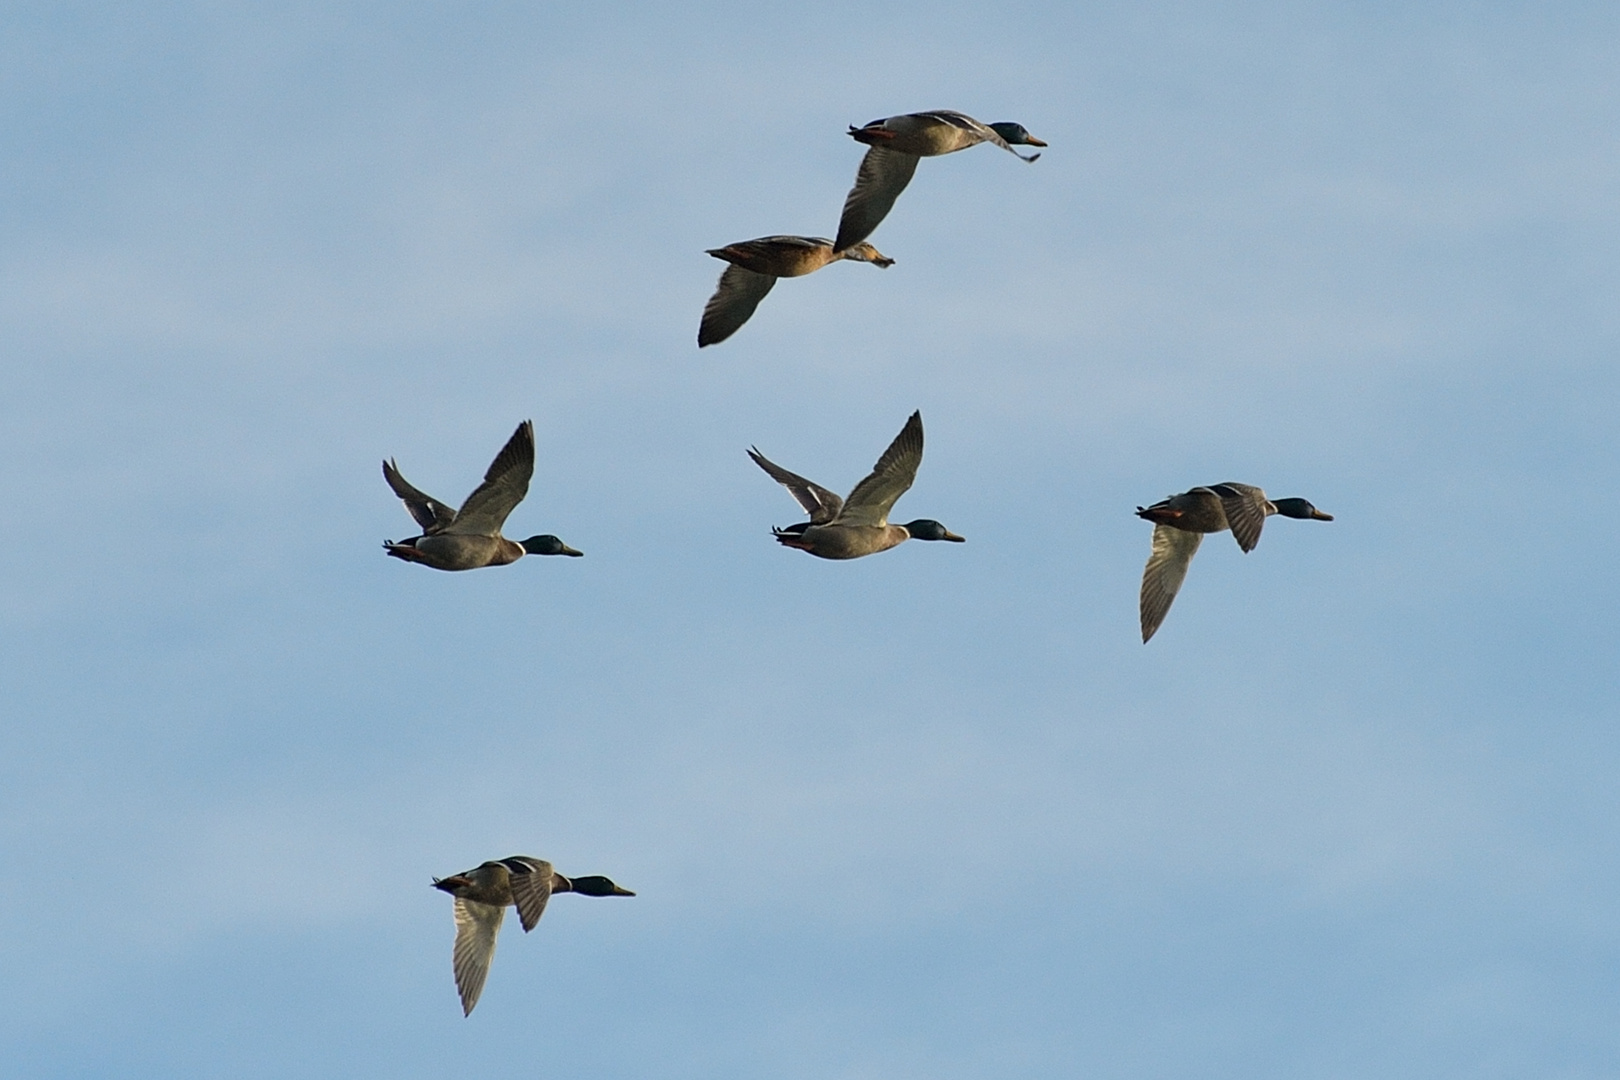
x,y
935,814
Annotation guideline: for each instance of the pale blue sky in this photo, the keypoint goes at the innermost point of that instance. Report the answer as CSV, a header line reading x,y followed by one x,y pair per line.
x,y
934,814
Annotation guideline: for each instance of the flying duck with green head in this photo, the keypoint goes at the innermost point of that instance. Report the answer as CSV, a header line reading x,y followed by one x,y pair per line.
x,y
859,525
470,538
1179,525
897,144
482,896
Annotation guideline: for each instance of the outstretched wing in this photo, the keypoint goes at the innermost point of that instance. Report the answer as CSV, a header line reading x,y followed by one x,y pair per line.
x,y
891,477
431,514
1166,569
1246,507
883,175
477,924
821,504
732,304
531,887
505,483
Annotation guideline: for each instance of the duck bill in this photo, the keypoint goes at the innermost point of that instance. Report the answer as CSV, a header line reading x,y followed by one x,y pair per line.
x,y
566,550
450,884
1033,141
617,891
954,538
1319,516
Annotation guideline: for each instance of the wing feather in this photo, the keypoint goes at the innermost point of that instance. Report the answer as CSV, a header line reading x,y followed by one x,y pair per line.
x,y
955,119
1246,508
1166,569
891,477
531,887
883,175
821,504
477,925
431,514
505,483
733,303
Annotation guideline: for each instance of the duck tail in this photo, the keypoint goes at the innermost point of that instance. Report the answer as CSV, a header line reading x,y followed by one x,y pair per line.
x,y
790,537
404,550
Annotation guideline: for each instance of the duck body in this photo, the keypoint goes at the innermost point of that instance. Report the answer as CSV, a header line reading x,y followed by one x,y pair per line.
x,y
938,132
482,896
755,267
1180,524
793,256
859,525
470,538
897,143
452,552
1197,511
834,541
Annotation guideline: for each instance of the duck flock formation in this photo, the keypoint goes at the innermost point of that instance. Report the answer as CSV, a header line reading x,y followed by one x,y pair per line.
x,y
839,528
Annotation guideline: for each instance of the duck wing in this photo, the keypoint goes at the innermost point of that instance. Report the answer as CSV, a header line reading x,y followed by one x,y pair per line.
x,y
821,504
883,175
431,514
891,477
505,484
732,304
1246,508
1166,569
531,887
477,924
957,120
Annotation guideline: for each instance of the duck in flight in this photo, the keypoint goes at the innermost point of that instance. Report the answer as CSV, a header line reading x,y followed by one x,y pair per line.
x,y
1179,525
897,144
482,896
859,525
470,538
755,266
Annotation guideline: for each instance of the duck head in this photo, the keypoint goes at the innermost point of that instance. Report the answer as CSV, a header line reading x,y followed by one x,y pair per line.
x,y
596,885
929,529
864,252
1300,508
1015,134
548,545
